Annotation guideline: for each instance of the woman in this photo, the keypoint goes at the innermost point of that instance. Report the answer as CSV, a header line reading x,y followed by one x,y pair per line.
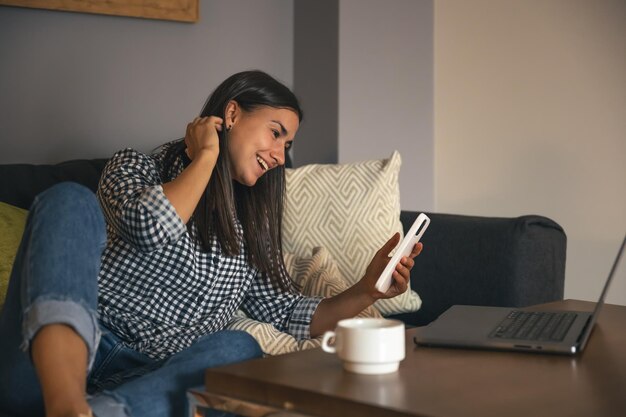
x,y
192,234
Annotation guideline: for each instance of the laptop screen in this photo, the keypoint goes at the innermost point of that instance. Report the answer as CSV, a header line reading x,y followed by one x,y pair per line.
x,y
600,303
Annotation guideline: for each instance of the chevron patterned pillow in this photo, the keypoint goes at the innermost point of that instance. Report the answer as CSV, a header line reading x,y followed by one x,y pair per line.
x,y
318,275
351,210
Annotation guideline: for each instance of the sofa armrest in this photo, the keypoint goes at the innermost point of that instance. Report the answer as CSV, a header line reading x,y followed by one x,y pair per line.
x,y
471,260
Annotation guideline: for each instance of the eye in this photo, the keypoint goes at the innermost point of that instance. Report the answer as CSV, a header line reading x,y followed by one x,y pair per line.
x,y
276,133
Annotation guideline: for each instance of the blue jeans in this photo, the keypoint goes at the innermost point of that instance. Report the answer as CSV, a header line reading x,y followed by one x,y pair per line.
x,y
55,280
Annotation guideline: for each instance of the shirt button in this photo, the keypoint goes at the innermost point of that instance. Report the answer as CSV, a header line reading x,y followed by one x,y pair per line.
x,y
216,260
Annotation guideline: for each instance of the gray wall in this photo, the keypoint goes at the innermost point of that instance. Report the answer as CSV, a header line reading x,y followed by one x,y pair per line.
x,y
364,72
315,79
79,85
386,90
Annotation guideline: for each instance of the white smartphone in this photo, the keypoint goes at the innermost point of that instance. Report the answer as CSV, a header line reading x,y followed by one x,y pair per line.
x,y
404,249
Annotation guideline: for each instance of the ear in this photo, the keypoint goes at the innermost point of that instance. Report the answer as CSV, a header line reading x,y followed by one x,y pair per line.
x,y
232,113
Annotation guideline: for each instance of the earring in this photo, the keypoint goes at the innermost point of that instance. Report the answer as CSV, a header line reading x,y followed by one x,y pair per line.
x,y
228,128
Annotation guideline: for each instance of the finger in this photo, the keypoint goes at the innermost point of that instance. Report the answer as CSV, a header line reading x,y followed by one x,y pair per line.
x,y
408,262
389,245
403,269
213,121
209,121
401,282
417,249
218,121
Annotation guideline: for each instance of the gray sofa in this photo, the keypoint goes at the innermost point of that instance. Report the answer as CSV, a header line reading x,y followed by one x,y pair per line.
x,y
512,262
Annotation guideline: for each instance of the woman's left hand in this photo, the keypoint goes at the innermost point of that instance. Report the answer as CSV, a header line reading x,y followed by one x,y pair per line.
x,y
364,293
400,276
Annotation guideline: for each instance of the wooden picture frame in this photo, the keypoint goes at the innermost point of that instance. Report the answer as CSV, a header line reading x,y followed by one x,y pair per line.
x,y
177,10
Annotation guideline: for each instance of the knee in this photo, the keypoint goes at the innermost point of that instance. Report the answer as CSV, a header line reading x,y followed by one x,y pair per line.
x,y
245,345
64,192
224,347
73,201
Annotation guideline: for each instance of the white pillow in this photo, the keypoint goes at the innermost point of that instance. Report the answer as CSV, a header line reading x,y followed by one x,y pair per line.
x,y
317,274
351,210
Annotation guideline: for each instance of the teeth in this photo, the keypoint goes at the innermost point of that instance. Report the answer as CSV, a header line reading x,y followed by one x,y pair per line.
x,y
262,162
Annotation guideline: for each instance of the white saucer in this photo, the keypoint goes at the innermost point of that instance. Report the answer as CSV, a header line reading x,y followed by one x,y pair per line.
x,y
371,368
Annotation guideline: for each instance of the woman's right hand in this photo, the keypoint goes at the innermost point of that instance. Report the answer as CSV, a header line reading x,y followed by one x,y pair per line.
x,y
202,136
203,148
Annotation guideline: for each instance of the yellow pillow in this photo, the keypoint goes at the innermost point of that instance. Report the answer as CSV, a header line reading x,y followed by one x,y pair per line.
x,y
12,223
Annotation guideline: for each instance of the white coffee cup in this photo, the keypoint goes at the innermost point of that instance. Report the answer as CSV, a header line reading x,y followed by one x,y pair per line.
x,y
367,345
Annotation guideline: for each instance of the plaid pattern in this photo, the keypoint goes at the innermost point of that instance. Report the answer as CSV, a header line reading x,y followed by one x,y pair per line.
x,y
159,291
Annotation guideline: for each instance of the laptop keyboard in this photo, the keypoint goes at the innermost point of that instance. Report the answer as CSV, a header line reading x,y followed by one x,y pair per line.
x,y
540,326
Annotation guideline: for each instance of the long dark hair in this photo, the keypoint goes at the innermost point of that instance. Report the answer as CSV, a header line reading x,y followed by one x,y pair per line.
x,y
259,208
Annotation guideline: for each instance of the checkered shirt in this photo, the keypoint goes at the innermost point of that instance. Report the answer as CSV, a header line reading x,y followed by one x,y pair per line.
x,y
159,290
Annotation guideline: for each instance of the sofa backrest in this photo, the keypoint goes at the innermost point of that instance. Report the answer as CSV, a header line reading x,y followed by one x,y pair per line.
x,y
20,183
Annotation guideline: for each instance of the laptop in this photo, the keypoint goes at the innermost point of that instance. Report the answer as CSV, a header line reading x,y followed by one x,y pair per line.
x,y
503,328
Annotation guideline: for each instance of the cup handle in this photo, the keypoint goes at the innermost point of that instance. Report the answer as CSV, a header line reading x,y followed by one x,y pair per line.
x,y
325,346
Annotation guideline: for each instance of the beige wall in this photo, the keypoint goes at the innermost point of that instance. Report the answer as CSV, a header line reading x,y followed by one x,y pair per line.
x,y
530,117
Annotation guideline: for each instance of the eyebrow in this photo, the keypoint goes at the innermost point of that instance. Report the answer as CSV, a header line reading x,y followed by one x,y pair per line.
x,y
282,128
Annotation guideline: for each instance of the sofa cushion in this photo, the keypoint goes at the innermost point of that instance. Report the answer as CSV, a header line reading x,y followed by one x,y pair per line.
x,y
317,275
350,209
12,222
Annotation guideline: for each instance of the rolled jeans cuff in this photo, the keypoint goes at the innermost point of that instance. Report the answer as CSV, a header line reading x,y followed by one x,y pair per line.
x,y
108,404
69,312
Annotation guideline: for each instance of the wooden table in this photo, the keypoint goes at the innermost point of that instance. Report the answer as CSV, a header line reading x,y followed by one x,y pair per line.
x,y
435,381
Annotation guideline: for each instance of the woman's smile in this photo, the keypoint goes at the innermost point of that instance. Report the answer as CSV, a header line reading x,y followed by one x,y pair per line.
x,y
262,162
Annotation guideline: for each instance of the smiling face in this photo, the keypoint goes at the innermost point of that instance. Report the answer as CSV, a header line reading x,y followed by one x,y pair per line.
x,y
258,139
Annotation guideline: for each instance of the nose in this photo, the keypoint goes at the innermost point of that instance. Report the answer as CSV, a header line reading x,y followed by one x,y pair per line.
x,y
278,154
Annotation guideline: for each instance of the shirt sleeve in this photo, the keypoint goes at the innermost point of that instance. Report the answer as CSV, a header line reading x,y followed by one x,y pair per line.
x,y
134,205
288,312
